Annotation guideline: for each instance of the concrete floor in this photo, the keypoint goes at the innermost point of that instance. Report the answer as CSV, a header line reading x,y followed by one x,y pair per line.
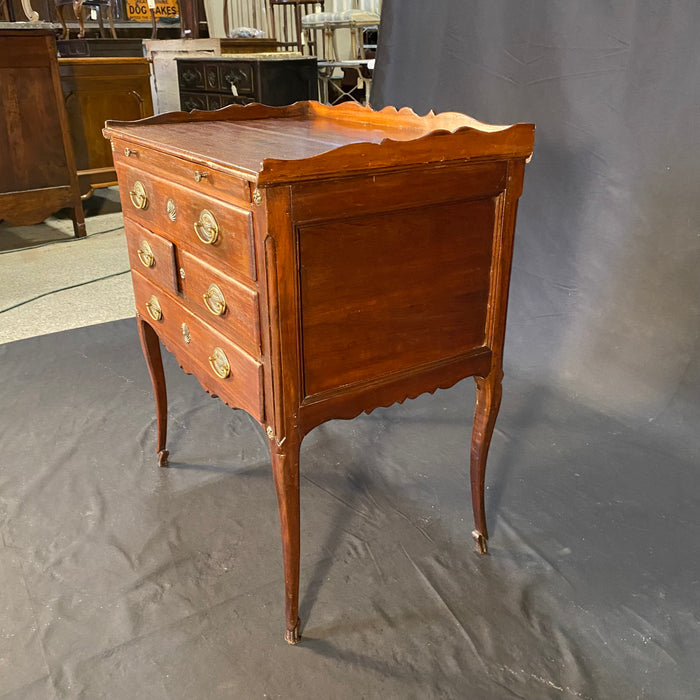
x,y
50,281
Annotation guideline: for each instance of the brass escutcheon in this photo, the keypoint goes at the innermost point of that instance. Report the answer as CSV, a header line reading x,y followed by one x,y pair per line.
x,y
257,197
185,333
146,254
153,308
219,363
214,300
130,152
171,209
199,175
138,195
206,228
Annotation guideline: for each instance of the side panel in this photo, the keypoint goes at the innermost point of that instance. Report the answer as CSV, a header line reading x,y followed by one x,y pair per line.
x,y
395,272
385,293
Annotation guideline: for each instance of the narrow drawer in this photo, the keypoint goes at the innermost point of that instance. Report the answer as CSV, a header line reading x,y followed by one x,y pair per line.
x,y
215,101
189,173
221,367
152,255
207,227
211,76
226,304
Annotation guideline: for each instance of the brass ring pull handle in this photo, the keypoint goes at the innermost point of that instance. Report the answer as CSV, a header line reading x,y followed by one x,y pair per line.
x,y
214,300
199,175
138,195
153,308
219,363
206,228
145,254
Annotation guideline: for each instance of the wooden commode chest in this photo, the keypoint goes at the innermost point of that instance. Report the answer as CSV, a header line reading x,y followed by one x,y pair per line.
x,y
312,262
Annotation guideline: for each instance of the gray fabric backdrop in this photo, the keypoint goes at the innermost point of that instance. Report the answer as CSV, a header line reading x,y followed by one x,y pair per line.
x,y
605,297
120,580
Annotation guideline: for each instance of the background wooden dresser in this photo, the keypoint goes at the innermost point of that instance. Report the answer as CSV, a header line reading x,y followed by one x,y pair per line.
x,y
37,165
311,262
212,83
94,90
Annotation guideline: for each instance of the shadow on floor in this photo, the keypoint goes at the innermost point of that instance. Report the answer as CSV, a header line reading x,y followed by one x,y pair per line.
x,y
58,227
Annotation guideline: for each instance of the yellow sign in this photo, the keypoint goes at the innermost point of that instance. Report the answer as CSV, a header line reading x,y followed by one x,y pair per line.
x,y
139,9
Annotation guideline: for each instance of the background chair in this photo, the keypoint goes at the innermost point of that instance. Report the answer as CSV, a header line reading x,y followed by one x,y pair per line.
x,y
354,15
286,18
78,6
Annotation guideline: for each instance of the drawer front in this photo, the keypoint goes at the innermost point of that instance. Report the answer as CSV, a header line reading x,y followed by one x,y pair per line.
x,y
215,101
220,365
211,76
226,304
206,226
173,169
236,78
237,101
190,76
152,255
190,101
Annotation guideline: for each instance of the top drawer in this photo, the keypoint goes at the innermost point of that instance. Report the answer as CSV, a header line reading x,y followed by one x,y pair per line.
x,y
230,77
188,173
197,222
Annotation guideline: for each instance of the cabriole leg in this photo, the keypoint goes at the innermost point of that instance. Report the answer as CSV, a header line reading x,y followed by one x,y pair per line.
x,y
488,401
151,351
285,469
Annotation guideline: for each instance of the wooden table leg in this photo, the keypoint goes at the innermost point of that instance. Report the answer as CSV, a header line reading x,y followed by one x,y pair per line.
x,y
285,470
151,351
78,217
488,401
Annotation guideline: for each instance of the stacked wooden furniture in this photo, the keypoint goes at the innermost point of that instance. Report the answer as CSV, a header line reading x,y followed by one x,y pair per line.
x,y
37,165
312,262
212,83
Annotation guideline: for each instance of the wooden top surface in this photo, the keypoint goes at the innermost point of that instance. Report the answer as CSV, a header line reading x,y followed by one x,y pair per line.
x,y
266,144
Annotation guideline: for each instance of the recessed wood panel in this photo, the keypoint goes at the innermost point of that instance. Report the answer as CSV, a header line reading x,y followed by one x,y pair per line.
x,y
383,293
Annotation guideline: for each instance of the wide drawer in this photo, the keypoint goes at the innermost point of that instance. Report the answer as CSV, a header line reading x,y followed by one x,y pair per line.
x,y
221,367
206,226
152,255
226,304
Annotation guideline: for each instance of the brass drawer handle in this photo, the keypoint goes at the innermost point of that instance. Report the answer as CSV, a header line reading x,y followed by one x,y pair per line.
x,y
214,300
206,228
199,175
130,152
145,254
153,308
219,363
138,195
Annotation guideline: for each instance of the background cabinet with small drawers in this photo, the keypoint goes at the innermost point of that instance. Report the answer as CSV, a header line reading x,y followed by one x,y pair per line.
x,y
211,83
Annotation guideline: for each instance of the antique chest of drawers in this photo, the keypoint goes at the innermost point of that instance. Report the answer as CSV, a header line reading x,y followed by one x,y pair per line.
x,y
218,81
313,262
